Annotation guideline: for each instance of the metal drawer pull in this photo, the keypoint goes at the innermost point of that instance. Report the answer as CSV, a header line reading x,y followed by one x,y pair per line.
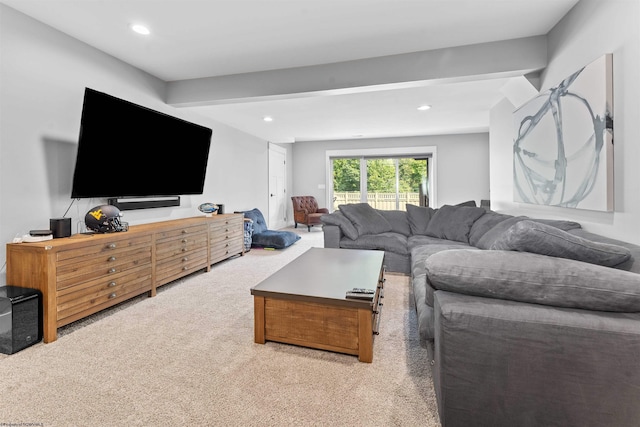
x,y
112,246
113,295
184,240
185,259
184,231
184,249
111,259
112,284
185,268
112,270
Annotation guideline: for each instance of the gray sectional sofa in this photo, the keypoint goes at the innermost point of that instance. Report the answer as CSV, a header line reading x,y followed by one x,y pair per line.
x,y
527,322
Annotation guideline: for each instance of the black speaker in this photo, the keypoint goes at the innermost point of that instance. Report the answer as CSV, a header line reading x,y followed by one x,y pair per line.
x,y
20,318
61,227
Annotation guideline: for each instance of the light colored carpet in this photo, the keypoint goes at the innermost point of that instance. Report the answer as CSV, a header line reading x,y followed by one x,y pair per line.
x,y
187,357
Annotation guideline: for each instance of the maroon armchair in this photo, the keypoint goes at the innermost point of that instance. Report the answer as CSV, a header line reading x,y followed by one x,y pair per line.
x,y
306,211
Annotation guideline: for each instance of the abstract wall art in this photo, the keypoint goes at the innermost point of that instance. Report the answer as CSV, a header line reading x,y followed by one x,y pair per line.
x,y
563,142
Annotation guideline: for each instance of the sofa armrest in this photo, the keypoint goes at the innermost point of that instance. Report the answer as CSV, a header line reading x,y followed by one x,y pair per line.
x,y
332,236
323,210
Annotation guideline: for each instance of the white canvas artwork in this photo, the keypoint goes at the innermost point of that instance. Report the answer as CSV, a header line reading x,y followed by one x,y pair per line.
x,y
563,142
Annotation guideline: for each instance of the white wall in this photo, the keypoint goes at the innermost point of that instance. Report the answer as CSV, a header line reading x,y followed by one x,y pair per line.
x,y
590,30
43,73
462,164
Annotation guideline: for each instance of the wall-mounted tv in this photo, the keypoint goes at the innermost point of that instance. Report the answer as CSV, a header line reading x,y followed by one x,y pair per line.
x,y
126,150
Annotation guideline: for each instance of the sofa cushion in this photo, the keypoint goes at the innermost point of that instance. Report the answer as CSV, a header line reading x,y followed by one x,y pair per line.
x,y
419,217
633,264
497,231
559,223
337,218
416,241
262,237
471,203
423,311
534,278
397,220
365,219
485,223
391,242
543,239
419,256
276,239
454,222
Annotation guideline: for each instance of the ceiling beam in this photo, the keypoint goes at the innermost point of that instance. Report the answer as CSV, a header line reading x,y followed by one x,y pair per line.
x,y
507,58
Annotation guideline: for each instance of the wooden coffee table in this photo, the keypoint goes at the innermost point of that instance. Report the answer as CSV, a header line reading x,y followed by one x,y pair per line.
x,y
304,303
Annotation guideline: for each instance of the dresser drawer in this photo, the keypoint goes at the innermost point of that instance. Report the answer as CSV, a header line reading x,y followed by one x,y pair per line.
x,y
227,223
171,268
224,250
226,236
181,233
181,246
94,295
103,264
113,246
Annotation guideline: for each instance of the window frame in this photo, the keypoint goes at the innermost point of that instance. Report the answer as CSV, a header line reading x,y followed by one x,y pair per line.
x,y
364,153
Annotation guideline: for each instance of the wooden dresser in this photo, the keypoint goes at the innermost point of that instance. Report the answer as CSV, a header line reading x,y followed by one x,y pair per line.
x,y
83,274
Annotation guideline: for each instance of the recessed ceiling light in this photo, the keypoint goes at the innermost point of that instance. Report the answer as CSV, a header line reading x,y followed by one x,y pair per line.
x,y
140,29
424,107
267,118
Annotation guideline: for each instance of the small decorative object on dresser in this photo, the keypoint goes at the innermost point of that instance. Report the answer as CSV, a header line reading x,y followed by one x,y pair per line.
x,y
208,209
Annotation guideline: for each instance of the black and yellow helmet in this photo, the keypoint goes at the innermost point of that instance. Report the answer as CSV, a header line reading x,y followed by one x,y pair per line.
x,y
104,219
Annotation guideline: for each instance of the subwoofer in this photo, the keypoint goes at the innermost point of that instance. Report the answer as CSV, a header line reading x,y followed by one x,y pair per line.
x,y
20,318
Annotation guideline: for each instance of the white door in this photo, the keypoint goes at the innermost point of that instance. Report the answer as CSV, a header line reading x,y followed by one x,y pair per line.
x,y
277,187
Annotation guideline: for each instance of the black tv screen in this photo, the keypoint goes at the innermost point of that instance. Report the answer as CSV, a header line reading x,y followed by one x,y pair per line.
x,y
126,150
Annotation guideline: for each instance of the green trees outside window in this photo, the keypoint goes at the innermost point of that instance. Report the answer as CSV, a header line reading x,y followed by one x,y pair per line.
x,y
390,182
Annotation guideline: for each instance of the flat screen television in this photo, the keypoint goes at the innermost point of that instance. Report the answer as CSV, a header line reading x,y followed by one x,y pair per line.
x,y
126,150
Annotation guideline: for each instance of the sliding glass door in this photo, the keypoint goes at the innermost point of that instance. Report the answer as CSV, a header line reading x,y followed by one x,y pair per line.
x,y
388,183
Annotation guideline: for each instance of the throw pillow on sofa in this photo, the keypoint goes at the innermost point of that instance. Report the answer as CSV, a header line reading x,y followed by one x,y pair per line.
x,y
543,239
397,220
365,219
419,217
495,232
337,218
485,223
453,222
493,225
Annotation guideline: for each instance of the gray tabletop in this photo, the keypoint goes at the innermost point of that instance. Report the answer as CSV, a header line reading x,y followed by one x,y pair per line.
x,y
324,273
